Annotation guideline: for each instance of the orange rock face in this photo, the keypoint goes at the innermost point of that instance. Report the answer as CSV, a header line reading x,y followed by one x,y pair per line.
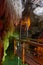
x,y
1,25
2,7
40,39
1,50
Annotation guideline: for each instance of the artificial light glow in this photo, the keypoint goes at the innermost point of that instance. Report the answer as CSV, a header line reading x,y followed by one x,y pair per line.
x,y
28,22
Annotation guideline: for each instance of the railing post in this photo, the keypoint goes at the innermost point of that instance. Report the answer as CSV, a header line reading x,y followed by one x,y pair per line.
x,y
23,53
15,47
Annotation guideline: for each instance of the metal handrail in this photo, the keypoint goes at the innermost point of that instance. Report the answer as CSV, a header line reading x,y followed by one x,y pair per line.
x,y
34,43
